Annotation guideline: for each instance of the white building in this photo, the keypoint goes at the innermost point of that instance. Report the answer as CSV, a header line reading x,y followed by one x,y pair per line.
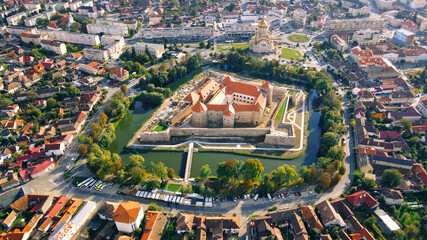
x,y
367,36
128,216
77,38
130,24
191,33
381,4
240,30
32,21
96,28
113,48
422,106
339,43
15,19
56,47
154,49
66,230
75,5
300,17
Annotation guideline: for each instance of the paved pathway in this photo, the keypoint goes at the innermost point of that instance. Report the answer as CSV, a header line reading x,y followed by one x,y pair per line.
x,y
190,152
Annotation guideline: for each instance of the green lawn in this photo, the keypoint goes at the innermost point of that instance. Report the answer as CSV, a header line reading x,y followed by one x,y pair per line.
x,y
173,187
280,112
298,38
242,46
160,128
291,54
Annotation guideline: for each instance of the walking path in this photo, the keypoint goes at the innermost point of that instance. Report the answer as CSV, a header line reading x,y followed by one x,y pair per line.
x,y
189,162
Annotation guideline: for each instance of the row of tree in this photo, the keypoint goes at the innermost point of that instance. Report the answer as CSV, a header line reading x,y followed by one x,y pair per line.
x,y
257,67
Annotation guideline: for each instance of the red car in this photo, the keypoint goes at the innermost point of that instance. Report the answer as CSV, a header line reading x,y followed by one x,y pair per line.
x,y
296,194
286,195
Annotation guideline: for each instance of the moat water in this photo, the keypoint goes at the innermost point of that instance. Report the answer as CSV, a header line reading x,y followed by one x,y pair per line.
x,y
134,119
177,160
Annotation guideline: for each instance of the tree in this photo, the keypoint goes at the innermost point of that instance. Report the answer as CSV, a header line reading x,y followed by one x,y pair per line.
x,y
73,91
229,170
171,173
342,170
368,184
305,174
329,139
135,161
325,180
407,125
102,119
137,174
205,171
252,169
392,177
161,171
336,153
82,149
322,86
63,26
124,88
75,27
202,44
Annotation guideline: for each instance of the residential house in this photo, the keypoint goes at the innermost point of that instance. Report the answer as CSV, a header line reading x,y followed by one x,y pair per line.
x,y
329,216
358,198
401,97
118,73
392,197
381,163
128,216
41,168
365,96
13,87
410,26
184,223
311,218
56,149
300,232
156,222
10,181
410,114
265,229
91,68
106,212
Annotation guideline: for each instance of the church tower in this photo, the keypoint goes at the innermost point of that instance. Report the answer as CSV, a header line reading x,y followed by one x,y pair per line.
x,y
261,42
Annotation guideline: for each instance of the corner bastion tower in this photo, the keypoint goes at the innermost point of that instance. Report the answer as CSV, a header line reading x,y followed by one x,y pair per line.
x,y
261,42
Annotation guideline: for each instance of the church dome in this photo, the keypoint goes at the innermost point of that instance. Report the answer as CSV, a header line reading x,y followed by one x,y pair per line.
x,y
263,24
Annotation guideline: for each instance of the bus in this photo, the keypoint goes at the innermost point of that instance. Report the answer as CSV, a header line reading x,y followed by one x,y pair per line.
x,y
84,182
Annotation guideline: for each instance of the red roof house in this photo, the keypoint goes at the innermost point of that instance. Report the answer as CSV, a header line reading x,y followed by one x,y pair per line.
x,y
356,199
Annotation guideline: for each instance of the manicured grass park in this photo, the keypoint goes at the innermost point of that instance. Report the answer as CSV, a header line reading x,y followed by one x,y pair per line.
x,y
160,128
242,46
298,38
290,54
280,112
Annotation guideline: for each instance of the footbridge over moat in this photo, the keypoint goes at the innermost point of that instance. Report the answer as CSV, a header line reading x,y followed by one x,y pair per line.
x,y
190,150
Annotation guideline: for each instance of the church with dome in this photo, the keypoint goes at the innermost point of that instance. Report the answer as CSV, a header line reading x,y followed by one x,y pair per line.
x,y
261,42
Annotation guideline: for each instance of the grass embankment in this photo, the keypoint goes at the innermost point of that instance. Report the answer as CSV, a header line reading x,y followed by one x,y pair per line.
x,y
291,54
298,38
